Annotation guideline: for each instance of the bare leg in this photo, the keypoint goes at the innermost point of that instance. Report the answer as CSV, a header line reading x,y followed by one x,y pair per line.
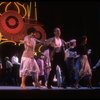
x,y
36,76
89,82
23,85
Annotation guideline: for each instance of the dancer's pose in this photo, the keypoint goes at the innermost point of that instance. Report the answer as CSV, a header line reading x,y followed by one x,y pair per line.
x,y
28,63
56,46
83,62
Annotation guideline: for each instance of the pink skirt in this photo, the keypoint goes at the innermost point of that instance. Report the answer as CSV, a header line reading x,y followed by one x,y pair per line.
x,y
28,67
85,67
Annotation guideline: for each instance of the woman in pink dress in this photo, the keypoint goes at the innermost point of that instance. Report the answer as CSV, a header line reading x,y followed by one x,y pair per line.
x,y
28,63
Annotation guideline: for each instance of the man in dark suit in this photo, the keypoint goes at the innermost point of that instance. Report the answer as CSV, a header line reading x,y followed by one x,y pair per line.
x,y
57,46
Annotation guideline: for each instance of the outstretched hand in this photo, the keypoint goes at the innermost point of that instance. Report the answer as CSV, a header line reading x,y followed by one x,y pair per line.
x,y
94,68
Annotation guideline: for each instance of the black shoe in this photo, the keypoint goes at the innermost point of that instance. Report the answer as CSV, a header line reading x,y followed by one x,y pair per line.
x,y
49,87
89,86
64,86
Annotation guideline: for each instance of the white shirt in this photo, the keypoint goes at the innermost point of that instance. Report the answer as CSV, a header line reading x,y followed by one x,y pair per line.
x,y
15,60
58,42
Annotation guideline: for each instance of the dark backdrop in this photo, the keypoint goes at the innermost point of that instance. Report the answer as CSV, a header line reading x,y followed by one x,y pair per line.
x,y
75,19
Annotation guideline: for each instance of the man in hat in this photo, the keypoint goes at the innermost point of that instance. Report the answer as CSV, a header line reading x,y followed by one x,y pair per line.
x,y
71,56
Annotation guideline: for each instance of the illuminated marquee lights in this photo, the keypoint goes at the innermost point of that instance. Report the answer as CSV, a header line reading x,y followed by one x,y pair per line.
x,y
17,7
7,8
23,8
3,40
8,42
26,12
29,10
2,4
39,49
17,4
1,37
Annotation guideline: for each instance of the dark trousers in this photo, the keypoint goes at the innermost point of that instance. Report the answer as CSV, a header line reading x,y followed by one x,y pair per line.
x,y
15,74
70,64
42,78
8,77
58,59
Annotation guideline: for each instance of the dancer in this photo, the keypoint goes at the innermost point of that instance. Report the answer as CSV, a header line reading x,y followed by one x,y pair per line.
x,y
28,63
83,62
15,70
56,46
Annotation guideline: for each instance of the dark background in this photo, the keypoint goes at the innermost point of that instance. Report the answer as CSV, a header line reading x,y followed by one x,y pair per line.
x,y
75,20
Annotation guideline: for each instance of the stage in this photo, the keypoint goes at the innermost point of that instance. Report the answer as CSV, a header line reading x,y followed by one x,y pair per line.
x,y
15,92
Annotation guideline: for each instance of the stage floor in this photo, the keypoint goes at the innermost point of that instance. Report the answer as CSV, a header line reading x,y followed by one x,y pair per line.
x,y
45,88
16,92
